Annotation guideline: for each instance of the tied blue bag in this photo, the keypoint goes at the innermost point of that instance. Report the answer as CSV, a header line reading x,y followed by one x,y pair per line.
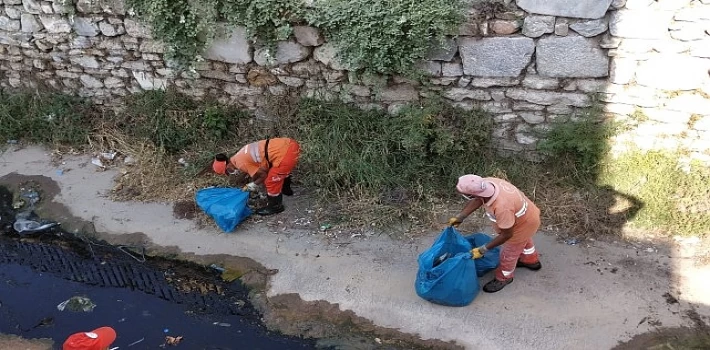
x,y
227,206
489,261
454,281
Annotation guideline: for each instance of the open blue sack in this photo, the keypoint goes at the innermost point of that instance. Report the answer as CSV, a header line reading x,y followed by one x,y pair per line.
x,y
227,206
489,261
452,282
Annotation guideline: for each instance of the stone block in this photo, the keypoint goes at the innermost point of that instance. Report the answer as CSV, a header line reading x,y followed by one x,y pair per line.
x,y
695,104
622,70
136,29
590,28
109,29
32,6
700,48
116,7
30,23
631,95
549,98
232,47
460,94
444,51
243,90
286,52
328,55
308,36
562,28
55,24
291,81
493,82
571,57
495,57
532,117
84,26
536,26
9,25
591,9
148,81
85,62
505,27
451,69
540,83
13,12
90,82
398,93
113,83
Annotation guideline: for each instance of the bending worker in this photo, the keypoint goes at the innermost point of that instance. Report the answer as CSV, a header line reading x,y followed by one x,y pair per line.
x,y
515,218
267,162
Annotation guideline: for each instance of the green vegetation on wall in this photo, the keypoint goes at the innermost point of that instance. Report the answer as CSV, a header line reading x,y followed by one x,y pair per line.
x,y
382,36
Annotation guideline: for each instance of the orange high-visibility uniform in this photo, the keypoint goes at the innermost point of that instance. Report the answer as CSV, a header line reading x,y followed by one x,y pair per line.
x,y
280,159
509,208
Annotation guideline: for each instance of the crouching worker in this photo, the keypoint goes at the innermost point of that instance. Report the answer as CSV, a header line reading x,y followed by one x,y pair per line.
x,y
268,162
514,217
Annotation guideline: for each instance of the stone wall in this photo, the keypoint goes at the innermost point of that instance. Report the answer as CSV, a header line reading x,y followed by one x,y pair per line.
x,y
538,61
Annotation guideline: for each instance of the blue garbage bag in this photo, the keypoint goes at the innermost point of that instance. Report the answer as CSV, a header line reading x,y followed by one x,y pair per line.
x,y
492,258
453,281
227,206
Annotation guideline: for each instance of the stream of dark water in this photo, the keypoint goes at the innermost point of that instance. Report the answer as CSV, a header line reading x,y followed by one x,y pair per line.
x,y
144,301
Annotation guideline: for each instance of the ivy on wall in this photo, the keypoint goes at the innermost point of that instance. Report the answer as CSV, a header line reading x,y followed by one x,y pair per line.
x,y
379,36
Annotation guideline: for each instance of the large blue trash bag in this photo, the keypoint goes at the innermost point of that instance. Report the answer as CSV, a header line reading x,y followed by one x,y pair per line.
x,y
227,206
492,258
452,282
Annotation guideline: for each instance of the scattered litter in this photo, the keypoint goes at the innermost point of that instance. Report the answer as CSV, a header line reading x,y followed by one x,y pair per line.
x,y
222,324
18,204
166,330
325,227
12,142
30,195
77,304
97,162
108,155
182,162
171,341
136,342
49,117
356,235
378,341
60,172
650,250
572,241
218,268
31,226
441,259
129,160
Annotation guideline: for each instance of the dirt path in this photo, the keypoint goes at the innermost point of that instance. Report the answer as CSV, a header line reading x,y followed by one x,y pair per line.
x,y
587,296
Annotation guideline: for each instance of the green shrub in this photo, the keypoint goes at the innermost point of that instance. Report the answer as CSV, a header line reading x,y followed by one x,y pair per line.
x,y
266,21
422,147
578,146
177,123
386,36
45,118
185,26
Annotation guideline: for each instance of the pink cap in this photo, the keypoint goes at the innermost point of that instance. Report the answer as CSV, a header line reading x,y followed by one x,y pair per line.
x,y
474,185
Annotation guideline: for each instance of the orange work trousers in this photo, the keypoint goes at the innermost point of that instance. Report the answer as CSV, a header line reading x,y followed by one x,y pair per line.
x,y
275,178
509,255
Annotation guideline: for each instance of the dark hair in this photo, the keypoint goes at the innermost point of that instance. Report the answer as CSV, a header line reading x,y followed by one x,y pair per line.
x,y
221,157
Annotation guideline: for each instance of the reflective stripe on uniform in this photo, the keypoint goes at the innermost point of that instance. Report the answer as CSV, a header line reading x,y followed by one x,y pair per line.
x,y
520,212
506,273
254,152
529,251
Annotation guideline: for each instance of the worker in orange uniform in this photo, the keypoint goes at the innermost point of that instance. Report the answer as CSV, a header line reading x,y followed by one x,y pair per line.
x,y
98,339
267,162
515,218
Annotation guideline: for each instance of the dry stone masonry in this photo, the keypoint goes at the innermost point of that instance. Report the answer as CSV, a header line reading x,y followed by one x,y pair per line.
x,y
539,61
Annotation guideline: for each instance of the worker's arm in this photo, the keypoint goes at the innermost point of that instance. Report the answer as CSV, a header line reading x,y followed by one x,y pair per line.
x,y
470,207
503,237
260,176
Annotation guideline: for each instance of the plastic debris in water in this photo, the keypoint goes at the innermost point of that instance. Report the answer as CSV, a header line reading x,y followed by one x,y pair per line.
x,y
77,304
218,268
441,259
222,324
30,226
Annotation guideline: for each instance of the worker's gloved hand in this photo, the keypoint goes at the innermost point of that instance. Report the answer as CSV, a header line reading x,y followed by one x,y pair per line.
x,y
479,252
454,222
250,187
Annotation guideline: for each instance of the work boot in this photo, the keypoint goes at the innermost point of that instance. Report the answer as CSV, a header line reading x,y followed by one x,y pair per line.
x,y
534,266
273,206
286,189
496,285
